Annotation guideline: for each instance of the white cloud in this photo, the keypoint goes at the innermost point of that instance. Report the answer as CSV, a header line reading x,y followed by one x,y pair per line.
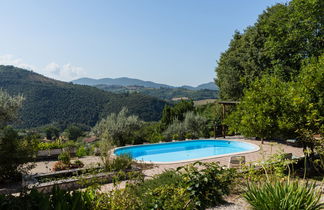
x,y
9,59
65,72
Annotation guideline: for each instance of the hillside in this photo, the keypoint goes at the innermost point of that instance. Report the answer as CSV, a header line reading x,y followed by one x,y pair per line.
x,y
49,100
162,93
125,81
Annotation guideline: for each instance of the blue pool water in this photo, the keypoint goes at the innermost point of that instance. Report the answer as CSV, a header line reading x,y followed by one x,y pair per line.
x,y
184,150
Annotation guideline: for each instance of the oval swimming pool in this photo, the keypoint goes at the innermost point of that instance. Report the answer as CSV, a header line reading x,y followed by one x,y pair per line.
x,y
183,151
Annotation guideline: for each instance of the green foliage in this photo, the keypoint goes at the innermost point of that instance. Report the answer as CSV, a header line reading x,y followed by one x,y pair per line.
x,y
149,132
175,131
193,126
73,132
207,186
278,43
260,108
50,101
14,153
274,108
55,145
65,157
81,151
163,93
121,162
58,199
9,107
283,195
52,132
169,113
213,113
120,127
186,188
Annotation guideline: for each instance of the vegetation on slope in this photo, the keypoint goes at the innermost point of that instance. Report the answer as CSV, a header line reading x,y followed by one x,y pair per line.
x,y
163,93
48,101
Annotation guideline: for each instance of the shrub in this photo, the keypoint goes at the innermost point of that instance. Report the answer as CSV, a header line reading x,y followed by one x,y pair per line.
x,y
175,131
283,195
57,199
207,186
193,126
55,145
65,157
120,127
81,151
121,162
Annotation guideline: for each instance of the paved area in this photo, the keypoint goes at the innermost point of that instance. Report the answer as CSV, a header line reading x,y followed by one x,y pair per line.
x,y
266,149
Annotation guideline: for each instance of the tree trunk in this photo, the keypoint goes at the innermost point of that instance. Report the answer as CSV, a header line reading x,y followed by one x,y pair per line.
x,y
261,140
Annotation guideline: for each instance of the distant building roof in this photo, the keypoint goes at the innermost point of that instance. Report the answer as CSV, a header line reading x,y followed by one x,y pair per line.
x,y
90,139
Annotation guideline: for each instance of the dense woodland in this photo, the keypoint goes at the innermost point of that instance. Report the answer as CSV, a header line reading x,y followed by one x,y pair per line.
x,y
163,93
49,101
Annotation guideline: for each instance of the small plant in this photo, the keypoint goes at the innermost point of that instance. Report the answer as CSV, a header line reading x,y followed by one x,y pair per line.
x,y
78,164
65,157
81,152
122,162
283,195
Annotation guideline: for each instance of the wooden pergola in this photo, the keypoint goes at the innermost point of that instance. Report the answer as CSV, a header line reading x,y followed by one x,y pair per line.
x,y
224,104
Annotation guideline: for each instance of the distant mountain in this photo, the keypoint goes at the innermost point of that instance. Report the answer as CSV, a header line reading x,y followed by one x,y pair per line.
x,y
125,81
51,101
209,86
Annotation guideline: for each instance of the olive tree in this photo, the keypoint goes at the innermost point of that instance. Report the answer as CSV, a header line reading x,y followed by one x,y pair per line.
x,y
120,127
14,150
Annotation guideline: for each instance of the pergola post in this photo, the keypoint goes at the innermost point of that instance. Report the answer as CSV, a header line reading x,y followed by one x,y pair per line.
x,y
224,103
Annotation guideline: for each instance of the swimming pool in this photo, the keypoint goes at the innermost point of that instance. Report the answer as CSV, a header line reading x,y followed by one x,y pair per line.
x,y
182,151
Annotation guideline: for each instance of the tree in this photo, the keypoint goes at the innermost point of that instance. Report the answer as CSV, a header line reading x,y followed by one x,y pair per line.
x,y
260,108
9,107
277,44
120,127
52,132
14,151
178,111
73,132
193,126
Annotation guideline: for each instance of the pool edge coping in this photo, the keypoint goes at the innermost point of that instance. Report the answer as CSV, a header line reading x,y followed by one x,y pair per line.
x,y
256,148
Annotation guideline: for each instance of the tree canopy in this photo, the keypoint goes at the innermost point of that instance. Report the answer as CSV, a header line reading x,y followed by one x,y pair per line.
x,y
277,44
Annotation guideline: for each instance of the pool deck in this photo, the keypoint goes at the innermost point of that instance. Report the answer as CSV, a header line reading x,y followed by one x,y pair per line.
x,y
267,149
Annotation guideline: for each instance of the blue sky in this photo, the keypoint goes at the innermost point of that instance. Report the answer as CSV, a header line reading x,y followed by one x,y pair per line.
x,y
176,42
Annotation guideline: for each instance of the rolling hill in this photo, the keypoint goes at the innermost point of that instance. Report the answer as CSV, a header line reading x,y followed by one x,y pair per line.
x,y
163,93
125,81
51,101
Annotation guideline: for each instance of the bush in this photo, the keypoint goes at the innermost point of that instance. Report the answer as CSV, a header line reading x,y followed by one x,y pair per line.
x,y
57,199
82,151
207,186
120,127
121,162
193,126
283,195
65,157
55,145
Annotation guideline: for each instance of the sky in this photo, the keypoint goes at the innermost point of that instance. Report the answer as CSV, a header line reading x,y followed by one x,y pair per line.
x,y
175,42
